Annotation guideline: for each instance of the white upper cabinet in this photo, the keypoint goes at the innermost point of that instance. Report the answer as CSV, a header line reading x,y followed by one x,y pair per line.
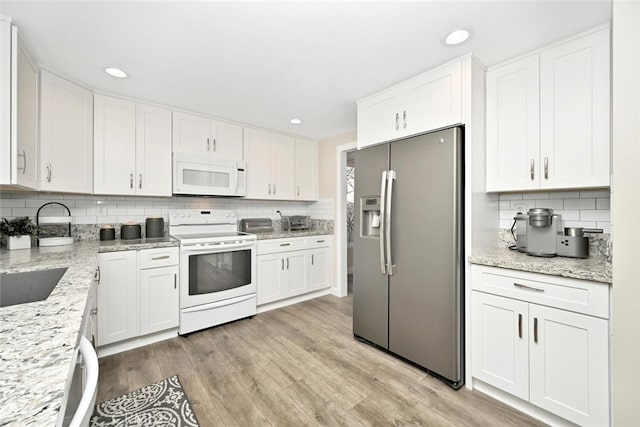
x,y
198,134
574,113
132,148
270,161
548,118
19,111
306,165
426,102
513,126
66,136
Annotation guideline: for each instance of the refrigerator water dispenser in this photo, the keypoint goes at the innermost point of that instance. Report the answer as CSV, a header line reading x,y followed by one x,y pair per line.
x,y
370,216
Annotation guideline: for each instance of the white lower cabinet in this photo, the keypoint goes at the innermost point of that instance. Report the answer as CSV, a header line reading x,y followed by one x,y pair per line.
x,y
555,359
137,293
292,267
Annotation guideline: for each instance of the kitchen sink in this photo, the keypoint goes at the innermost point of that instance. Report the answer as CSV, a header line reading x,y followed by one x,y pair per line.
x,y
30,286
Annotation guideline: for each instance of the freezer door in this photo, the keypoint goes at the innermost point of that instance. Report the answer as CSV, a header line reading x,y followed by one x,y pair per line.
x,y
425,288
370,285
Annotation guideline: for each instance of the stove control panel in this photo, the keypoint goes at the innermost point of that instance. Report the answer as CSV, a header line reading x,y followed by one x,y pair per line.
x,y
202,216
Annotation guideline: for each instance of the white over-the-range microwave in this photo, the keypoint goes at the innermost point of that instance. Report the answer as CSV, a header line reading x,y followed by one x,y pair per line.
x,y
195,174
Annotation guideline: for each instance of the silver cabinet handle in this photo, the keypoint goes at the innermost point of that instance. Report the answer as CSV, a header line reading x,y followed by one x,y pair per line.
x,y
282,260
274,189
311,259
298,191
285,244
24,166
287,263
533,174
397,121
214,144
319,241
546,168
97,275
140,181
404,119
131,180
519,325
391,176
383,196
160,257
48,172
533,288
535,329
269,188
175,281
208,144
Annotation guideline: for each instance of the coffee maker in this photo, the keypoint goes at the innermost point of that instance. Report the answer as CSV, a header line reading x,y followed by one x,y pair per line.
x,y
537,232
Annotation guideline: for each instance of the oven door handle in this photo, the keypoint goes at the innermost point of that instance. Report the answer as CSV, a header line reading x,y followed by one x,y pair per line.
x,y
217,248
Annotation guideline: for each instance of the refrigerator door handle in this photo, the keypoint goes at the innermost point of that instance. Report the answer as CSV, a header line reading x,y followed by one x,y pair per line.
x,y
391,176
383,191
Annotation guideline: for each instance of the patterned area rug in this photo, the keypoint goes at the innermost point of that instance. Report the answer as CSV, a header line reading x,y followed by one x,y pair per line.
x,y
161,404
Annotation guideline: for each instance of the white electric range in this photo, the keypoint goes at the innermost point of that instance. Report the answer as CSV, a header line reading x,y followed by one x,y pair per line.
x,y
217,268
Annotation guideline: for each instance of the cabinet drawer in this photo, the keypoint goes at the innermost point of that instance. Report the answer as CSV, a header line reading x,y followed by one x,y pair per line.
x,y
273,246
320,241
159,257
575,295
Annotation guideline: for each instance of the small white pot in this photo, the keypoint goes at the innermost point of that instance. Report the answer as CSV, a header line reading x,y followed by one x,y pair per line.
x,y
18,242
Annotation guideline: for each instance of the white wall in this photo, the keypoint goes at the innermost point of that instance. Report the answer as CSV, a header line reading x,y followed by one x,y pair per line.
x,y
625,207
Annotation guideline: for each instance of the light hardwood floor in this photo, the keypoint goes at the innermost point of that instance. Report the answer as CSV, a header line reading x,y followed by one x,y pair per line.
x,y
296,366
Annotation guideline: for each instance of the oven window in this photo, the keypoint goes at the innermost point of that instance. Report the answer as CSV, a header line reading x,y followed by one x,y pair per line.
x,y
210,273
205,178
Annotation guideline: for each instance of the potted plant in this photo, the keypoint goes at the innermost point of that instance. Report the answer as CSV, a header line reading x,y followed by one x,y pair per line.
x,y
18,232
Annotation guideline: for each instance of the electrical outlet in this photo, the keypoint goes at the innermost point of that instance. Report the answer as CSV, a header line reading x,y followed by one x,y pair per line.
x,y
100,207
520,208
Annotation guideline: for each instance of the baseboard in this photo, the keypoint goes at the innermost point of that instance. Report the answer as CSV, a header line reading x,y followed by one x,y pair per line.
x,y
130,344
521,405
293,300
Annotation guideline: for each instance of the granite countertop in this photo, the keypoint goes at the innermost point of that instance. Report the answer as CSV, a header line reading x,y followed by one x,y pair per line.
x,y
39,339
288,234
592,268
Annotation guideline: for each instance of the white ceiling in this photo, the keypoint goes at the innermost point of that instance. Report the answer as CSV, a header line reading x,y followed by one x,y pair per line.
x,y
265,62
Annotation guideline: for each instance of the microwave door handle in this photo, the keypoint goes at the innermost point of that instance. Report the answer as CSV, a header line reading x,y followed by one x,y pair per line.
x,y
383,191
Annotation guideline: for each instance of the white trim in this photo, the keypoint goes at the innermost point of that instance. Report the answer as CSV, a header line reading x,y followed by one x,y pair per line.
x,y
294,300
130,344
340,225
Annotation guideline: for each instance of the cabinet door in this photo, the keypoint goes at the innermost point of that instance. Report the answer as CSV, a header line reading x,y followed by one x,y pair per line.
x,y
117,297
227,140
378,118
114,139
27,106
432,100
66,136
158,299
569,356
297,273
257,155
320,268
153,151
513,128
191,133
574,113
283,167
306,166
271,272
499,352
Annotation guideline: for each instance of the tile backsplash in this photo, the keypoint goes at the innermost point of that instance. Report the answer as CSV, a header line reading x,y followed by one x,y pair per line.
x,y
118,209
588,209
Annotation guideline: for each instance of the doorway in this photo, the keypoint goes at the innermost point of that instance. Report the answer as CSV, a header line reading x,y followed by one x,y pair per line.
x,y
341,229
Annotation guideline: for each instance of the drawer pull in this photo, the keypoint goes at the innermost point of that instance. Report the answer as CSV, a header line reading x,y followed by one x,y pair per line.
x,y
319,241
535,329
160,257
519,285
285,244
519,325
175,281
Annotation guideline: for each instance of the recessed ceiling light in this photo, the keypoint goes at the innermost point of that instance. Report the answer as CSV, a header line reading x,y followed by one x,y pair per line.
x,y
457,36
116,72
295,121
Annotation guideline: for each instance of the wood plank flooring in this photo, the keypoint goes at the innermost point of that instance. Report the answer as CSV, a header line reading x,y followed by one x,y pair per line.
x,y
297,366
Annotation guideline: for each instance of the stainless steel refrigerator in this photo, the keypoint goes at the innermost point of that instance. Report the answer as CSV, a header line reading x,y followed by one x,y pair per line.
x,y
408,250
